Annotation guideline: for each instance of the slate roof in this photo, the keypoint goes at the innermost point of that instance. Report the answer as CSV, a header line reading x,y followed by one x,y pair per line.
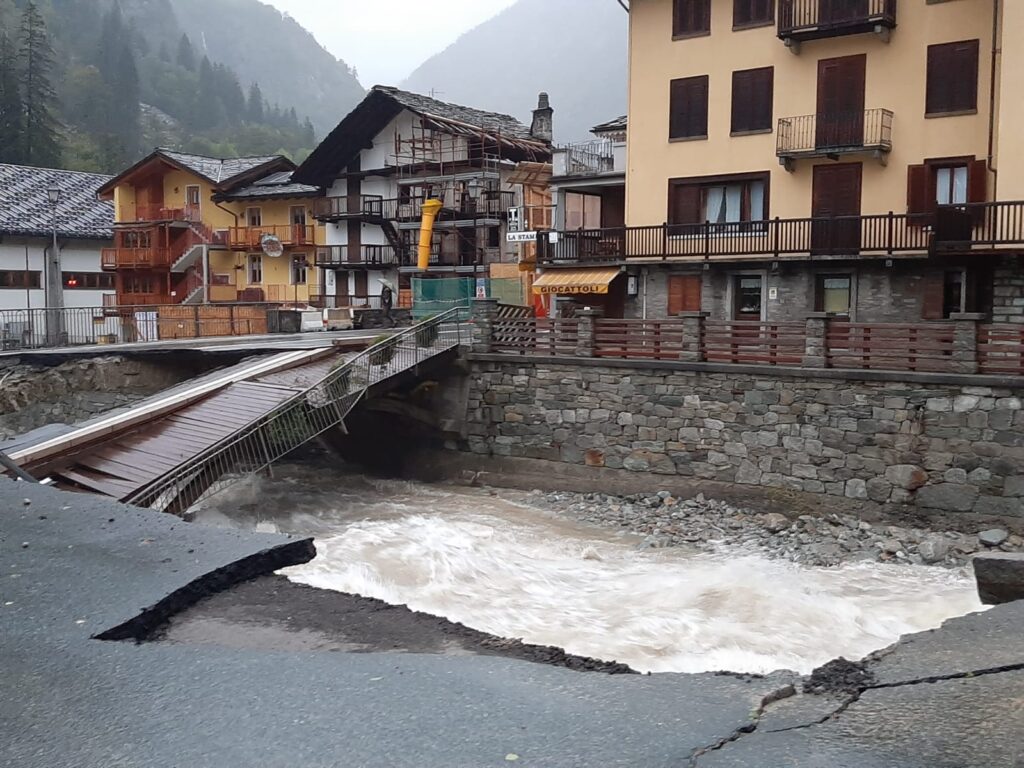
x,y
425,105
25,205
612,126
273,186
222,173
216,170
383,103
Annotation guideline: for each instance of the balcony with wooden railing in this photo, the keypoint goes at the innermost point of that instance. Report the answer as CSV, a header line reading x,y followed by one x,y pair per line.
x,y
369,207
289,235
802,20
832,135
342,256
157,212
965,228
149,257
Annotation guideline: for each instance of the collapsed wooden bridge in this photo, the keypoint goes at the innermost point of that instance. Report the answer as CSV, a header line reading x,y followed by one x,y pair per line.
x,y
171,452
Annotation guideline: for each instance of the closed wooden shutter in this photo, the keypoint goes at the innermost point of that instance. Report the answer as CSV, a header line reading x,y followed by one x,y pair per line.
x,y
952,77
683,294
752,96
691,17
688,108
685,204
920,194
749,12
933,296
977,181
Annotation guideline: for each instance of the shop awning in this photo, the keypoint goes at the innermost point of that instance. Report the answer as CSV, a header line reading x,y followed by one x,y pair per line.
x,y
571,281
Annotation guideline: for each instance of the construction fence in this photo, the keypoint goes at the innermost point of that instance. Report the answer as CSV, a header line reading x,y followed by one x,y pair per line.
x,y
435,296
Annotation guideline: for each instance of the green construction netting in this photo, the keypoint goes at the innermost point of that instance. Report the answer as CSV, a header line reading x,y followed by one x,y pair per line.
x,y
433,296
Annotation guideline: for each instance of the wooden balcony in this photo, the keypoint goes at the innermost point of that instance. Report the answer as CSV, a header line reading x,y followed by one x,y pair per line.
x,y
367,256
365,207
289,235
803,20
135,258
832,135
973,227
157,213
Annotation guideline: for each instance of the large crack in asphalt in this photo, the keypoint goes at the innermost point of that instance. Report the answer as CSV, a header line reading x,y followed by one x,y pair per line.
x,y
779,694
840,672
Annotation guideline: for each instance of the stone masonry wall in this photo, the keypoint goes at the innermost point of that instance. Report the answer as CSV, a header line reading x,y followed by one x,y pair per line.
x,y
32,396
1008,293
937,447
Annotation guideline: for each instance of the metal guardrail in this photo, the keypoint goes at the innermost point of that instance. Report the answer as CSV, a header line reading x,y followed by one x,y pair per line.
x,y
303,417
112,325
827,133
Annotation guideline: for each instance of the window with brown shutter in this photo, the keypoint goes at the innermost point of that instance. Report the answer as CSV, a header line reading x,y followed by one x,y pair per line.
x,y
752,13
736,201
945,181
688,108
691,18
752,94
683,294
952,78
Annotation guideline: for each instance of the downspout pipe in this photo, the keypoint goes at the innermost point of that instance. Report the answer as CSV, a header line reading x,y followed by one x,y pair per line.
x,y
996,53
233,215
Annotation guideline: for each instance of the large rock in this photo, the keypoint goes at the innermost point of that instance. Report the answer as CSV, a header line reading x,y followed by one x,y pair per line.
x,y
993,537
948,496
906,476
775,522
1000,577
933,549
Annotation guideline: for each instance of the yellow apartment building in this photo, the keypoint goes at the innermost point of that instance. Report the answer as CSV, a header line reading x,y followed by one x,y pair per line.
x,y
193,229
854,157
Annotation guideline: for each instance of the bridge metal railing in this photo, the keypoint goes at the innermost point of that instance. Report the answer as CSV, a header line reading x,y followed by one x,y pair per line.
x,y
298,420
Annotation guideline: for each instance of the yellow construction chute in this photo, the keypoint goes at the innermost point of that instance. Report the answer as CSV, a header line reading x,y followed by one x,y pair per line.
x,y
430,210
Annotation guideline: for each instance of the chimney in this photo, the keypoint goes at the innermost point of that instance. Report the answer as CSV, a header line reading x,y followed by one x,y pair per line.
x,y
543,125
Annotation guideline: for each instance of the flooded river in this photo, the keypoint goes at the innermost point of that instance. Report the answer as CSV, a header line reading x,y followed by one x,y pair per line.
x,y
501,565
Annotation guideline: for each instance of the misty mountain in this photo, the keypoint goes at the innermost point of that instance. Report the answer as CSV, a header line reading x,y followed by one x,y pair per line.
x,y
265,46
573,49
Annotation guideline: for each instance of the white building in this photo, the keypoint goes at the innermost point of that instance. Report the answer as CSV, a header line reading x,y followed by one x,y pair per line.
x,y
84,227
397,150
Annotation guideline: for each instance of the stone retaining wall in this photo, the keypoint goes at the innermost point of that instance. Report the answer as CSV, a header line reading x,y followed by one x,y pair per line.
x,y
937,447
32,396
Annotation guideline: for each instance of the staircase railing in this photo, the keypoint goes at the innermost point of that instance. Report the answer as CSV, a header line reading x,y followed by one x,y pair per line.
x,y
308,414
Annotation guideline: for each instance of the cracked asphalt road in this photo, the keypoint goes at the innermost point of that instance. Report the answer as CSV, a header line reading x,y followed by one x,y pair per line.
x,y
74,566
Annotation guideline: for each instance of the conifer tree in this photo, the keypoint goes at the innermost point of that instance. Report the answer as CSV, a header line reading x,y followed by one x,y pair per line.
x,y
255,109
11,106
186,54
41,142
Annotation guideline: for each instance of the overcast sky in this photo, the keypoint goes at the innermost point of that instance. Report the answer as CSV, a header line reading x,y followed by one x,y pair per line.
x,y
387,39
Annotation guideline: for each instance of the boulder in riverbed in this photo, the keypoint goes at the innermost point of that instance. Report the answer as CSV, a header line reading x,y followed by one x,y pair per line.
x,y
1000,577
993,537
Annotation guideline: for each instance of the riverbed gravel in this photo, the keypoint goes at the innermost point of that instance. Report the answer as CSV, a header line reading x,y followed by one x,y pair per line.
x,y
832,539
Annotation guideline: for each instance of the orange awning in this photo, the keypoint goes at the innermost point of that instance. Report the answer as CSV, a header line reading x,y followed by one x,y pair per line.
x,y
570,281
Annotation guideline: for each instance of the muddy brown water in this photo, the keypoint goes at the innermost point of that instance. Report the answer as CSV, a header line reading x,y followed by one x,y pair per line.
x,y
499,563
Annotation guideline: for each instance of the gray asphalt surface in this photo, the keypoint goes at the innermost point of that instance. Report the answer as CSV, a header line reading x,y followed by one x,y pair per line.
x,y
70,700
74,566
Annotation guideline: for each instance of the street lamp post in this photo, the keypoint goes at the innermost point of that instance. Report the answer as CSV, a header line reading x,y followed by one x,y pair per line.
x,y
54,278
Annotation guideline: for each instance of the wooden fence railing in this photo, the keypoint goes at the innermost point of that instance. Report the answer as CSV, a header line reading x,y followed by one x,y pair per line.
x,y
650,339
754,342
957,346
1001,350
892,347
535,336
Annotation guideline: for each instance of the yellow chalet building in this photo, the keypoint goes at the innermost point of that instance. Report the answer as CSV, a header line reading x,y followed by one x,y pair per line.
x,y
860,158
191,229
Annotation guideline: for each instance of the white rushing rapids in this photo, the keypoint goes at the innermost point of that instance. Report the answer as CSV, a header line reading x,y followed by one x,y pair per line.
x,y
503,568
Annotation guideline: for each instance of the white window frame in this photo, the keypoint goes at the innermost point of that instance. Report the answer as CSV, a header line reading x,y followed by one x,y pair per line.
x,y
730,292
254,266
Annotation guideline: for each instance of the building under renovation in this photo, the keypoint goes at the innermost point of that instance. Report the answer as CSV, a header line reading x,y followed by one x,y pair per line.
x,y
398,150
